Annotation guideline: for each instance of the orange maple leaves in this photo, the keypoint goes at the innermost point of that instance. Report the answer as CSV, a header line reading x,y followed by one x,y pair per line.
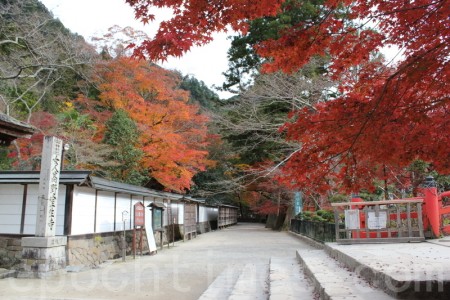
x,y
173,132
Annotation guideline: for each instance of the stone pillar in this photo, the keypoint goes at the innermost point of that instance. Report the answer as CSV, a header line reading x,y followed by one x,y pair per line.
x,y
45,254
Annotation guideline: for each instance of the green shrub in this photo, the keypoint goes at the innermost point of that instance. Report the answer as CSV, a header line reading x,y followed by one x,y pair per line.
x,y
338,198
318,216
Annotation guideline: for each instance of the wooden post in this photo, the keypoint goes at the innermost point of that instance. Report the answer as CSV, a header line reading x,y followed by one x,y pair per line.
x,y
140,238
134,242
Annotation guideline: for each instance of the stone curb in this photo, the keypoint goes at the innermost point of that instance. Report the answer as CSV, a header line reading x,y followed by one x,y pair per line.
x,y
413,289
308,240
332,281
4,273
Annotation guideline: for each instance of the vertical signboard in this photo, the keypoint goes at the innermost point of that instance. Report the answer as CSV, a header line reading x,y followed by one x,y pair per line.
x,y
48,186
298,205
139,214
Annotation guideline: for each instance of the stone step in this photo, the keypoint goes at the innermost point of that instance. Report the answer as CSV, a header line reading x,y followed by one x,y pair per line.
x,y
222,286
287,280
332,281
404,271
251,284
5,273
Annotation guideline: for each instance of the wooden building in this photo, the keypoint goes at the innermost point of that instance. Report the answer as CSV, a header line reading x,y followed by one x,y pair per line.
x,y
90,209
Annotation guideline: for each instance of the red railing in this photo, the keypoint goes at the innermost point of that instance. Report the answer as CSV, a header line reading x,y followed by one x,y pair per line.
x,y
444,210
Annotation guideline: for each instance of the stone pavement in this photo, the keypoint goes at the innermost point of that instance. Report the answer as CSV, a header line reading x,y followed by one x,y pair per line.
x,y
181,272
250,262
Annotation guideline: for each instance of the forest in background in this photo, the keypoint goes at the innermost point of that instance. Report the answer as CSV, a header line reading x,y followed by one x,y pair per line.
x,y
132,121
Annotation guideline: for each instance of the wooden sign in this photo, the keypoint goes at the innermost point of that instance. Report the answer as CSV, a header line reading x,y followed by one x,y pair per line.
x,y
139,214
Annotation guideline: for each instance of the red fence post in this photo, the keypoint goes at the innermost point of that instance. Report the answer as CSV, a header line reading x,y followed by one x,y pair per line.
x,y
431,212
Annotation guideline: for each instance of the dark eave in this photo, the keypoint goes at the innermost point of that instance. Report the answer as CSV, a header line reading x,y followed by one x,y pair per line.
x,y
11,129
29,177
227,205
191,200
159,205
85,178
117,187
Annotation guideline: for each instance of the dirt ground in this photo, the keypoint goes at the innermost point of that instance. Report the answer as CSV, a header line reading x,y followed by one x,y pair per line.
x,y
180,272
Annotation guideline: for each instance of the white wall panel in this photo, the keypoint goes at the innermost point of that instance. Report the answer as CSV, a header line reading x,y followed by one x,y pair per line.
x,y
83,210
31,209
60,209
105,212
181,213
202,214
11,197
166,214
123,204
174,207
212,213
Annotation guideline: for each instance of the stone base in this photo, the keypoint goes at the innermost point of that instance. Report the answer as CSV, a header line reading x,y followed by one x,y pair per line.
x,y
43,257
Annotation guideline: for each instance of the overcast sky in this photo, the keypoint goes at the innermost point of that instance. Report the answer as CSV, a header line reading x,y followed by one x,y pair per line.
x,y
93,18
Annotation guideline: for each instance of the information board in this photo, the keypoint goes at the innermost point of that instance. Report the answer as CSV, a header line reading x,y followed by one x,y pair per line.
x,y
139,214
352,219
157,218
376,222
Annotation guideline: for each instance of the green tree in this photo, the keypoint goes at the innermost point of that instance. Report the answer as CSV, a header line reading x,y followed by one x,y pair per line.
x,y
199,92
244,61
122,134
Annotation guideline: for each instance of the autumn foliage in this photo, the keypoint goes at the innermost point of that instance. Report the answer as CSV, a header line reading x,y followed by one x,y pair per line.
x,y
385,115
172,132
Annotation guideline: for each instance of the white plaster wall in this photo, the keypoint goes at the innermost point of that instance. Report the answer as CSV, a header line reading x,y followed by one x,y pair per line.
x,y
174,207
123,203
83,210
31,209
165,213
105,212
147,201
207,213
202,214
181,213
60,211
212,213
11,196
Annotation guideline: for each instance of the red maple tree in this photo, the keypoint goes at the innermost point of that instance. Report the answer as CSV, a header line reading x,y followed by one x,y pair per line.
x,y
173,134
386,113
